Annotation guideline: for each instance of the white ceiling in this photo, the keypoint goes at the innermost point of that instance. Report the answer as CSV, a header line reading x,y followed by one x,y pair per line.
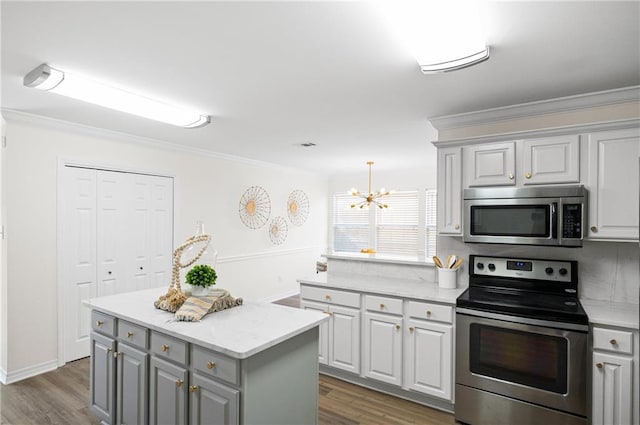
x,y
277,74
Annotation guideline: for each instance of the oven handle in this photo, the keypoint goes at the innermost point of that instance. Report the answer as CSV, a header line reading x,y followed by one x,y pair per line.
x,y
523,320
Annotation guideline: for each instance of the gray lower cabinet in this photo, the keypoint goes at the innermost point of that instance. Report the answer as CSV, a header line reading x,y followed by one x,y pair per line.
x,y
168,387
101,381
132,390
212,402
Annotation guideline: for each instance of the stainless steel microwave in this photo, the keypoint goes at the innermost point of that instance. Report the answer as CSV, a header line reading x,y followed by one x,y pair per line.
x,y
542,215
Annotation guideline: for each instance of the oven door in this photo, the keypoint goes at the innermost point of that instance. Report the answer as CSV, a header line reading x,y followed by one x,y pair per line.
x,y
512,221
540,365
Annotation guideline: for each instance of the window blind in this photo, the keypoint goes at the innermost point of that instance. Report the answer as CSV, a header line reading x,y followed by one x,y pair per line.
x,y
430,223
397,226
350,226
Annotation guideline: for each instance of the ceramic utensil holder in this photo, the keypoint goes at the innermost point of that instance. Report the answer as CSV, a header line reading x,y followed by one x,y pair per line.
x,y
448,278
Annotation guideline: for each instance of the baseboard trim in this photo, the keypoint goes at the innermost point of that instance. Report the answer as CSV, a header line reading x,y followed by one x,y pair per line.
x,y
27,372
382,387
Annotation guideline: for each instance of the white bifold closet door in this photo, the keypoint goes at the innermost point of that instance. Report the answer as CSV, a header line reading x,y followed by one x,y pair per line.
x,y
117,236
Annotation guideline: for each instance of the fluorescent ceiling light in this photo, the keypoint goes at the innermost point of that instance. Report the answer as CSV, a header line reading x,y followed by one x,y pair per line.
x,y
443,35
78,87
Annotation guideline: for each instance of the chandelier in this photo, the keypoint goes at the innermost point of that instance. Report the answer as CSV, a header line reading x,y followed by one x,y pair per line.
x,y
370,197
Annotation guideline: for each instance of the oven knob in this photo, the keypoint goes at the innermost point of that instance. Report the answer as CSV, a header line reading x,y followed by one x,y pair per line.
x,y
480,266
492,266
548,270
562,271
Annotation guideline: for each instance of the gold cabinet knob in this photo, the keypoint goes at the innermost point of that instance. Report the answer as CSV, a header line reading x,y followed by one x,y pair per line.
x,y
99,323
599,365
327,297
328,313
165,348
457,227
193,388
411,328
527,176
108,350
116,354
613,342
129,334
428,313
594,229
511,176
179,383
381,305
211,365
398,327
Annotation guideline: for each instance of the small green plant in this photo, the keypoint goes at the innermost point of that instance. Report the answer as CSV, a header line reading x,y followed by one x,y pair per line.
x,y
201,275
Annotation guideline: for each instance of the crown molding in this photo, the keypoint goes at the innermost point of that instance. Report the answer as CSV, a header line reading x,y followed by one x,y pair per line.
x,y
543,107
12,115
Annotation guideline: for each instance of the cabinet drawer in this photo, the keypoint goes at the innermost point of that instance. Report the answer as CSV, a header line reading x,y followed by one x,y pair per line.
x,y
330,296
383,304
429,311
613,340
168,347
133,334
103,323
215,364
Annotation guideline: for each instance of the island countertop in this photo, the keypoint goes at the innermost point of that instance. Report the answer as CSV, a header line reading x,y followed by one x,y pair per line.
x,y
239,332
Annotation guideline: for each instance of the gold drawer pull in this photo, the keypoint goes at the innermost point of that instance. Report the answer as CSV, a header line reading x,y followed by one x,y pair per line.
x,y
398,327
179,383
594,229
99,323
613,342
129,334
193,388
108,350
328,313
116,354
428,313
327,297
599,365
165,348
211,365
511,176
381,305
457,227
411,328
527,176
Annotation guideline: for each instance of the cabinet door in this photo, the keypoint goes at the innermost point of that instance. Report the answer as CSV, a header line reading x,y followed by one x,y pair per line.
x,y
382,345
612,389
132,385
167,393
450,191
428,358
344,338
490,165
613,184
323,343
212,403
551,160
102,380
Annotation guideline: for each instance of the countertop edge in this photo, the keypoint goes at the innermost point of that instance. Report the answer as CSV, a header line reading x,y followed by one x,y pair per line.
x,y
612,313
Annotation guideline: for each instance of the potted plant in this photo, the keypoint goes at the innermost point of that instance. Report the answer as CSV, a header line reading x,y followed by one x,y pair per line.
x,y
200,277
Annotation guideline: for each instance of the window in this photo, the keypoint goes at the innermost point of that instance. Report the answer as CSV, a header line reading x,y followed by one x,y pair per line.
x,y
403,229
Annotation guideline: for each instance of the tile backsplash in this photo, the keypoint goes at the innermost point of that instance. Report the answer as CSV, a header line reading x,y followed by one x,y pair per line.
x,y
607,271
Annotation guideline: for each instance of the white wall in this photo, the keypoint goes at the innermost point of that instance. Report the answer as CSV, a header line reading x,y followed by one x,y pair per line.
x,y
3,253
207,188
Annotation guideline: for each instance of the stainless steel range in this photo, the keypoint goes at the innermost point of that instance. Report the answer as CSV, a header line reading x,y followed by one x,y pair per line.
x,y
521,344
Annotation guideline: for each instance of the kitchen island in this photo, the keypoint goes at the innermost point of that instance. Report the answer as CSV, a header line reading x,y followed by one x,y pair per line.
x,y
252,364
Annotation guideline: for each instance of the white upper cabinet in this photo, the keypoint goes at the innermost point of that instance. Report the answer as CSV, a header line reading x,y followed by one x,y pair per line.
x,y
490,164
450,191
550,160
613,184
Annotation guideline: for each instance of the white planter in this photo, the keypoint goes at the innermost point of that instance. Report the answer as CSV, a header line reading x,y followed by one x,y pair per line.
x,y
199,291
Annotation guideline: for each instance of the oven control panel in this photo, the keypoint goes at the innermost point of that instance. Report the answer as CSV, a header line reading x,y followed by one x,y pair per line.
x,y
550,270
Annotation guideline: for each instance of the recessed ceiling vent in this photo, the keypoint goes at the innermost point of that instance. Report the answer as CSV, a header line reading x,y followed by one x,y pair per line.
x,y
308,144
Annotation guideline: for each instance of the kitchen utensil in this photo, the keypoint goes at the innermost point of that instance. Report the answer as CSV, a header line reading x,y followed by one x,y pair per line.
x,y
446,262
437,261
452,261
458,263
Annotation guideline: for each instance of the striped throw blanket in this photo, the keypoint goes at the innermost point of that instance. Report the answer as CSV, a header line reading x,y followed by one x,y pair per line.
x,y
195,308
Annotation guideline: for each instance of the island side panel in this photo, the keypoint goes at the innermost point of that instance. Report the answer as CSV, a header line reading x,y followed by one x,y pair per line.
x,y
280,384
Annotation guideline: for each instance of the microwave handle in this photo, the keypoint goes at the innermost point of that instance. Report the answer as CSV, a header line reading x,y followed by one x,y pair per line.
x,y
554,220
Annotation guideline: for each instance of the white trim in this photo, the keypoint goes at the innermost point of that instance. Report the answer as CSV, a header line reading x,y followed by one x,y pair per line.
x,y
27,372
267,254
545,132
526,110
27,118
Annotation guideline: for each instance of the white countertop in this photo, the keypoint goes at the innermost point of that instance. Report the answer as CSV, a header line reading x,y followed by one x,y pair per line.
x,y
239,332
612,313
383,258
387,286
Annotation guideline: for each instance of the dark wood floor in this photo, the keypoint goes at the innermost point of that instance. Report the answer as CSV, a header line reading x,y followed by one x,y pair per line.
x,y
62,396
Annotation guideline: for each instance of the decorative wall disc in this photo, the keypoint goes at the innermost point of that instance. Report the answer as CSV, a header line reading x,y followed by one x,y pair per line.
x,y
278,230
255,207
298,207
